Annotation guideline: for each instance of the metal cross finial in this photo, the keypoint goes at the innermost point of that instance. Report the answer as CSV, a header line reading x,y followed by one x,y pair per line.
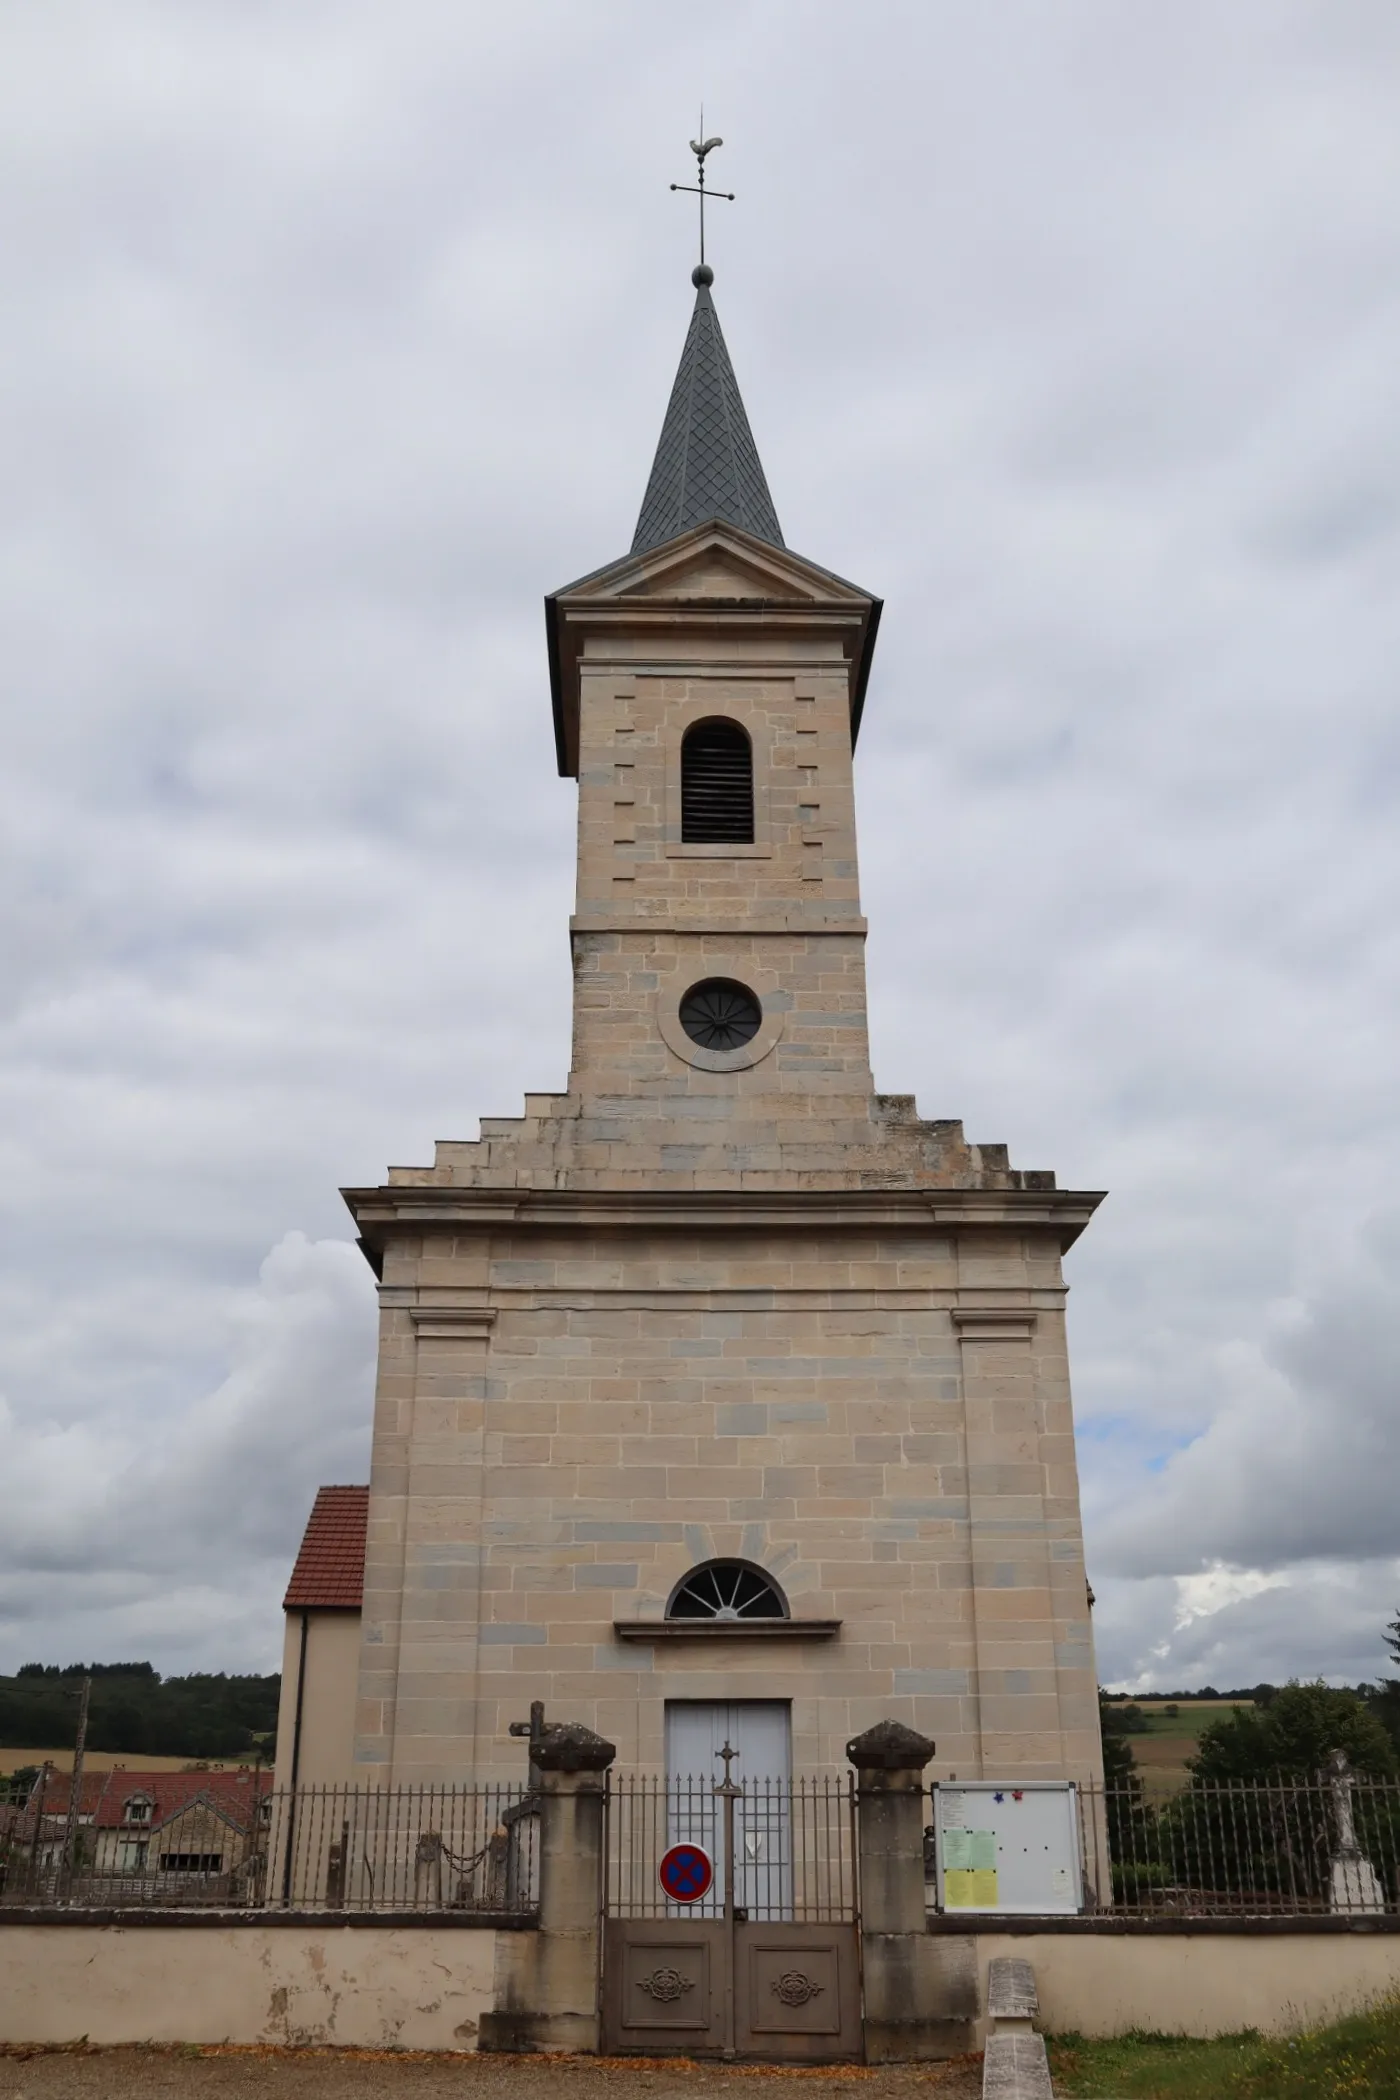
x,y
726,1785
700,147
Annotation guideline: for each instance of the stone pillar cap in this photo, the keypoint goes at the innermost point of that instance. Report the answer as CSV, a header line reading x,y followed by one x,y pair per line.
x,y
890,1747
567,1746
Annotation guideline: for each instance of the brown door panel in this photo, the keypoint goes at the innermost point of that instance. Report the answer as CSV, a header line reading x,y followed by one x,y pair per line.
x,y
663,1985
797,1992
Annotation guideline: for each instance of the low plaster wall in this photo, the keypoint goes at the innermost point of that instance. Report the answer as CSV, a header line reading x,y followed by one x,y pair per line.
x,y
418,1986
365,1986
1198,1983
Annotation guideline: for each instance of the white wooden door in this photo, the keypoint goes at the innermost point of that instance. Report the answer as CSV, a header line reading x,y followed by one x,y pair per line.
x,y
760,1730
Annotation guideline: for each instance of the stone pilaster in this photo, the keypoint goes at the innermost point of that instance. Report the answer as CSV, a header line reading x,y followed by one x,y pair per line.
x,y
547,1983
920,1992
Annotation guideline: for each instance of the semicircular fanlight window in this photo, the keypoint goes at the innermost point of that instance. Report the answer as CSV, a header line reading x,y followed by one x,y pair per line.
x,y
727,1590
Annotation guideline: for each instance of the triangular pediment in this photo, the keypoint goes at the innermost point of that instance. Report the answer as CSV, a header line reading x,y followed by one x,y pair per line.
x,y
715,572
718,562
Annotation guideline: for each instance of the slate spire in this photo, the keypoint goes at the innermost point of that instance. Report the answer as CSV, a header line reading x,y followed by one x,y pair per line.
x,y
707,464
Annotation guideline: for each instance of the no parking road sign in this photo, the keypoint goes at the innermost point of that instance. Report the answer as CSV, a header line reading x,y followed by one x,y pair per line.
x,y
685,1873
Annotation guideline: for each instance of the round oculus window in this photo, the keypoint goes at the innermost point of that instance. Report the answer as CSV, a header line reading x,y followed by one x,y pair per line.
x,y
721,1015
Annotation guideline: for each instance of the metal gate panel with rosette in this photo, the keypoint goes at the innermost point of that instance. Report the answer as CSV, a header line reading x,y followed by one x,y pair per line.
x,y
796,1992
663,1986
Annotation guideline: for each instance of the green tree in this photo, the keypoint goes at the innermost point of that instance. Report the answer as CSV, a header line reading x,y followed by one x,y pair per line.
x,y
1293,1737
1130,1823
1392,1638
136,1713
1256,1816
1119,1767
1383,1699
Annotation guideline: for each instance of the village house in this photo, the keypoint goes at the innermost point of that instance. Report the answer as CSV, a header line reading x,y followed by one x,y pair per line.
x,y
156,1836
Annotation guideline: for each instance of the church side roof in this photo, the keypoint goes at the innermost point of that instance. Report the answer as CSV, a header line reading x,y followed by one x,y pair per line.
x,y
330,1571
707,464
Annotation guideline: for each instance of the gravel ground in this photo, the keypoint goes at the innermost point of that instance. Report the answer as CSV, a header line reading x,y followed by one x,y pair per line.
x,y
361,2074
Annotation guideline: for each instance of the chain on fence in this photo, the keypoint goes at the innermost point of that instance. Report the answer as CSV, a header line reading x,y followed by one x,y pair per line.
x,y
236,1843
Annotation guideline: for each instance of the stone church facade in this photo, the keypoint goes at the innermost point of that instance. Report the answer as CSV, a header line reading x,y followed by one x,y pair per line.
x,y
720,1383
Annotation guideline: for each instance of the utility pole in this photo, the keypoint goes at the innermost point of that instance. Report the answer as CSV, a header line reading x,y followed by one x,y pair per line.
x,y
75,1795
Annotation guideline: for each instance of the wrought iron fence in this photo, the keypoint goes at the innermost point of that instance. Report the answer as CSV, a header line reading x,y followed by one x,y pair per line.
x,y
314,1848
1280,1848
793,1846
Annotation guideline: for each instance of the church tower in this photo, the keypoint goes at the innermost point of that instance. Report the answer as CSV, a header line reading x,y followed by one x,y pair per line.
x,y
720,1393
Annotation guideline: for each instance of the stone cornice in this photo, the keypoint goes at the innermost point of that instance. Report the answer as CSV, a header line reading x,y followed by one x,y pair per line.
x,y
452,1323
726,1629
737,927
440,1207
993,1323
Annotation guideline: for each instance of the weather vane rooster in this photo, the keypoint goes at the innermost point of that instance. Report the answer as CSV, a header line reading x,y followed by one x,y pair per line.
x,y
700,148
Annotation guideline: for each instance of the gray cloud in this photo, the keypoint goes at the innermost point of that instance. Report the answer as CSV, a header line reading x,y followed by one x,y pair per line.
x,y
1297,1461
339,335
112,1525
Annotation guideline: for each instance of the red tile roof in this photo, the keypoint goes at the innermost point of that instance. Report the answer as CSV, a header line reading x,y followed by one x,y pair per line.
x,y
105,1794
330,1570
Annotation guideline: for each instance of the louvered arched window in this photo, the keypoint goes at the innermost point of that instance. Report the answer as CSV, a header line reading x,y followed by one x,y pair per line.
x,y
716,785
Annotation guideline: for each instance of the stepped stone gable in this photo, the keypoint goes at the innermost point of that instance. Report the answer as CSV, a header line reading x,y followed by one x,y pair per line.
x,y
721,1303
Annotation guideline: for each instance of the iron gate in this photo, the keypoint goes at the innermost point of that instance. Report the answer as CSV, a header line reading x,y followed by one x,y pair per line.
x,y
767,1964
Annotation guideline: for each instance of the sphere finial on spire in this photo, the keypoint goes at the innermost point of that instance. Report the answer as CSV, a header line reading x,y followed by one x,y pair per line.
x,y
702,275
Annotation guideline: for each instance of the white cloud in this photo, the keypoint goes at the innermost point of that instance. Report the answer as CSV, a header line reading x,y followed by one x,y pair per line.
x,y
335,337
1215,1589
113,1528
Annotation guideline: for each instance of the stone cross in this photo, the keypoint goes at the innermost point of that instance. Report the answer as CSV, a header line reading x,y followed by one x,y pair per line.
x,y
534,1727
1355,1886
1342,1783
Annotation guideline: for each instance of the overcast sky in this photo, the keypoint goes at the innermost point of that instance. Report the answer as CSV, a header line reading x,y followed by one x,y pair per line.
x,y
336,335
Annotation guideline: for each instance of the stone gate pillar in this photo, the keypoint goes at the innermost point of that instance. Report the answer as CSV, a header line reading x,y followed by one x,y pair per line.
x,y
920,1992
547,1980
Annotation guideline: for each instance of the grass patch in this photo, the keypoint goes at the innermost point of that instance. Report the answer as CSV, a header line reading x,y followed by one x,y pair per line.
x,y
1146,2066
1353,2059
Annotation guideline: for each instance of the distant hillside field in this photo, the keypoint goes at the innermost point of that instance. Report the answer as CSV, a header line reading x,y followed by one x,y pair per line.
x,y
136,1714
1161,1753
14,1760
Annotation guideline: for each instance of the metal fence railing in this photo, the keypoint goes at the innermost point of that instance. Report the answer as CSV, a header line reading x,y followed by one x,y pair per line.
x,y
1279,1848
227,1840
793,1844
1329,1845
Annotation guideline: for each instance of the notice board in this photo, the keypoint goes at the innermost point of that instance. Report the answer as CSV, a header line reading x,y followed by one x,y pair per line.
x,y
1008,1846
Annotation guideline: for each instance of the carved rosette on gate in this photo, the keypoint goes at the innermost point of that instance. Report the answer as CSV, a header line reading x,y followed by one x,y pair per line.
x,y
665,1985
795,1989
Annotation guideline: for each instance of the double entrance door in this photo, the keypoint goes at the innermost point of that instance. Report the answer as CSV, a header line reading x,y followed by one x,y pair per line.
x,y
765,1964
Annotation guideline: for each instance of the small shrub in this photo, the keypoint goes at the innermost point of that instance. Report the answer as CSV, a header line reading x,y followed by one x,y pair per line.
x,y
1134,1879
